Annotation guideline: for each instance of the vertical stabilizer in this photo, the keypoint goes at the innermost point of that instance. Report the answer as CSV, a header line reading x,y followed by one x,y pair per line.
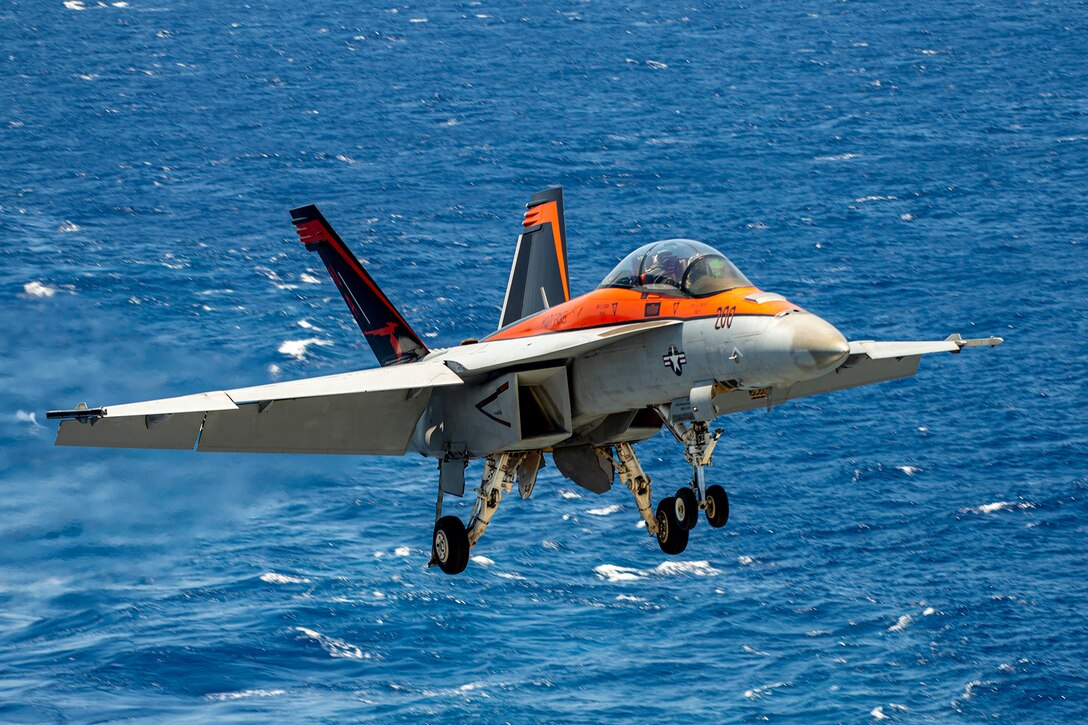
x,y
538,276
391,338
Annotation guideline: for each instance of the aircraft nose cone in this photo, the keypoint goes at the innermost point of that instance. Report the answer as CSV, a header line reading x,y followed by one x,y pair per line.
x,y
816,346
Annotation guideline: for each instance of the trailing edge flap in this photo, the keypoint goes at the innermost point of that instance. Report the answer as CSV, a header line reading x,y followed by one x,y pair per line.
x,y
366,412
391,338
538,276
484,357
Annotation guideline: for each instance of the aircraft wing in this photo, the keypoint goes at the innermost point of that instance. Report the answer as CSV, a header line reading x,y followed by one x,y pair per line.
x,y
366,412
869,362
484,357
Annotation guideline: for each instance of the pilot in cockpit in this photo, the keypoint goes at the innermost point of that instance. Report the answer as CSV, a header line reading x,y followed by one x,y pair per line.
x,y
664,269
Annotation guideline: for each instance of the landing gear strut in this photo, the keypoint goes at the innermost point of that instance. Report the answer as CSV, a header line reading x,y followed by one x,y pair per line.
x,y
672,537
699,444
452,540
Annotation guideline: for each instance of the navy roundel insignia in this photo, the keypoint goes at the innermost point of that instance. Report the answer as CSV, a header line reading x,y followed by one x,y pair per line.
x,y
675,360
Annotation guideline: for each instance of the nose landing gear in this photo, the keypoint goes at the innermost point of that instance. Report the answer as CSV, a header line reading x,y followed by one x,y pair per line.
x,y
686,508
716,507
677,515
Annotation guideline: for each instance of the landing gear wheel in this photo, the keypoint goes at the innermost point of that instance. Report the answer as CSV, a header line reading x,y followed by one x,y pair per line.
x,y
717,506
687,508
450,545
670,537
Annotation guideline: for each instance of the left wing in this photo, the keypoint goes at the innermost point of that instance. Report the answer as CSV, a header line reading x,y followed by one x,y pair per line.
x,y
371,412
868,362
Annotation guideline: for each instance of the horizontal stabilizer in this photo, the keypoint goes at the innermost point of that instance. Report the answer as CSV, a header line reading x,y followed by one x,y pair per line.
x,y
538,276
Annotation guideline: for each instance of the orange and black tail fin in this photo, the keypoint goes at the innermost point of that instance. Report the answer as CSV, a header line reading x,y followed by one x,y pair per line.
x,y
538,276
391,338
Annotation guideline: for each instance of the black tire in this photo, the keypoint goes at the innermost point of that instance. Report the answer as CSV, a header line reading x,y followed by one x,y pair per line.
x,y
449,545
670,537
687,508
717,506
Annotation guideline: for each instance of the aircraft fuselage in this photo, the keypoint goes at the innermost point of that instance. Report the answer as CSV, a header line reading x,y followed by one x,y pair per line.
x,y
743,338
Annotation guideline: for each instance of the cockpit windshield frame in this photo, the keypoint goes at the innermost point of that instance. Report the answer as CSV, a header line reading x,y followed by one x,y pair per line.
x,y
681,267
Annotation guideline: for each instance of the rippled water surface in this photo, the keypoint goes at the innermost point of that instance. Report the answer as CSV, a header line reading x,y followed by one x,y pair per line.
x,y
911,551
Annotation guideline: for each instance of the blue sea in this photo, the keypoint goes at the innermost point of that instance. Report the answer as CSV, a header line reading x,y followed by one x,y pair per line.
x,y
912,551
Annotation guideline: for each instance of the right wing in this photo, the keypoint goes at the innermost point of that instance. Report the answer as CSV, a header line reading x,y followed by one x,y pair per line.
x,y
868,362
538,276
371,412
490,356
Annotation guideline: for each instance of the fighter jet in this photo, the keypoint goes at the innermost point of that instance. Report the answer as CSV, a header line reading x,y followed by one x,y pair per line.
x,y
674,337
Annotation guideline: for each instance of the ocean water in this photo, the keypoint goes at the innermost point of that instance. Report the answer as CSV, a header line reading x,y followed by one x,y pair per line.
x,y
913,551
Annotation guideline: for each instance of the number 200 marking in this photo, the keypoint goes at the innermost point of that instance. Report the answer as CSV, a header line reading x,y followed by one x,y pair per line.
x,y
724,320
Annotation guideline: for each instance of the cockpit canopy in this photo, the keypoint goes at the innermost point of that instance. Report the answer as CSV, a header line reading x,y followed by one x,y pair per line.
x,y
683,266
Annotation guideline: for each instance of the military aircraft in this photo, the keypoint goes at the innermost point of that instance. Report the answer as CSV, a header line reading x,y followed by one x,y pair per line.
x,y
674,337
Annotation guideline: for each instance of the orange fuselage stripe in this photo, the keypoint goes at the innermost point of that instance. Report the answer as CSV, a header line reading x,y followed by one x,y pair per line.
x,y
613,306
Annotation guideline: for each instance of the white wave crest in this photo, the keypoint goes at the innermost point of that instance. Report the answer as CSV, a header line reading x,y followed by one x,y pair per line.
x,y
297,348
37,289
614,573
836,157
696,568
757,693
272,577
629,598
989,508
243,694
901,623
605,510
335,647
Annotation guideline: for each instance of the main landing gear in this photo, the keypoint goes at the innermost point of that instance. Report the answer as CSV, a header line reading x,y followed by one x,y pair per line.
x,y
670,523
677,515
452,539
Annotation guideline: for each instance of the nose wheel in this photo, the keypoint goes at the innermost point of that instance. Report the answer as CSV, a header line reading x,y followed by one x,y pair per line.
x,y
687,508
717,506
